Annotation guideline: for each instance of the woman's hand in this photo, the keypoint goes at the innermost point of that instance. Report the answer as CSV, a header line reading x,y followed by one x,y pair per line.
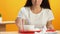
x,y
49,25
18,22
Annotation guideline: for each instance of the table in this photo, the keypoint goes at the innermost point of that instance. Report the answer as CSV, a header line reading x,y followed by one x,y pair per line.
x,y
3,24
16,32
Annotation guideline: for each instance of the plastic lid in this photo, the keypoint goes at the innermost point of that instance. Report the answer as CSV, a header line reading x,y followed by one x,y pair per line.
x,y
50,30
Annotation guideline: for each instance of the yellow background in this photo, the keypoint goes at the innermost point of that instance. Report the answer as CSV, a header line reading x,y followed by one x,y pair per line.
x,y
9,10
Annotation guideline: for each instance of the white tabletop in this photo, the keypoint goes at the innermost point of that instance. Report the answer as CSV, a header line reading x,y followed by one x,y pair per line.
x,y
7,22
16,32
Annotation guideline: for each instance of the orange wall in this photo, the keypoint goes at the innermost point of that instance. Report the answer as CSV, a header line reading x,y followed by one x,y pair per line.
x,y
9,10
55,6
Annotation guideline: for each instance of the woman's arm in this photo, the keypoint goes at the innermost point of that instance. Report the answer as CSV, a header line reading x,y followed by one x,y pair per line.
x,y
19,23
49,25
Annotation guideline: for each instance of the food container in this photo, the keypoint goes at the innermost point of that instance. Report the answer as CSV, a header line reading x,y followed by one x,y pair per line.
x,y
51,32
29,27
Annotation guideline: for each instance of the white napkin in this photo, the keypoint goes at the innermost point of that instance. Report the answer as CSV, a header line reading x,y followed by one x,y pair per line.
x,y
43,31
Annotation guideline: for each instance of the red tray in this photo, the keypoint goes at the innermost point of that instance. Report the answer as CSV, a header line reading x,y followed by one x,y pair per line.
x,y
29,31
50,30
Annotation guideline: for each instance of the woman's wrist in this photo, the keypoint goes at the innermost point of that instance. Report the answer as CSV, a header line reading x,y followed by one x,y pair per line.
x,y
50,28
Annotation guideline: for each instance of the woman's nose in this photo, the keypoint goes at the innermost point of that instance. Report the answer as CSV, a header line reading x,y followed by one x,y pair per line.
x,y
36,0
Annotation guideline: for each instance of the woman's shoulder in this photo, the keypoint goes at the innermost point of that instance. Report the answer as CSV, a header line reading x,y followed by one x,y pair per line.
x,y
47,10
24,8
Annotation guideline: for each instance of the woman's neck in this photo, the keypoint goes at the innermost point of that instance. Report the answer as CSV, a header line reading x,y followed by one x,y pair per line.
x,y
36,7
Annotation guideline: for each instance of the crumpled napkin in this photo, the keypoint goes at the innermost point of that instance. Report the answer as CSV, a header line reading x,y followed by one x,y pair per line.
x,y
43,31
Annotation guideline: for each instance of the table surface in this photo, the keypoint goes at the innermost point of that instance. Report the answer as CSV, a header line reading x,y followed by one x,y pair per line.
x,y
7,22
16,32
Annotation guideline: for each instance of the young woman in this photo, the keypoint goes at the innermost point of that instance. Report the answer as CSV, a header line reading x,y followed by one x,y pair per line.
x,y
36,12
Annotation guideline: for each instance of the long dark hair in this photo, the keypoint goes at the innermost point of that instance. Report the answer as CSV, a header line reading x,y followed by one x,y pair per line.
x,y
45,4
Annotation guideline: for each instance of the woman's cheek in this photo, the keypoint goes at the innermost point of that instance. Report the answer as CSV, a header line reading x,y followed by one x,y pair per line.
x,y
39,2
33,2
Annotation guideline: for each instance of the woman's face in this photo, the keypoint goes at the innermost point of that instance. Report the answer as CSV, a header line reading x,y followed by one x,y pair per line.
x,y
36,2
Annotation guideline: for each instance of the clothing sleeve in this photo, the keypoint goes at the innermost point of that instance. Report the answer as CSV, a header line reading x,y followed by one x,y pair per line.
x,y
21,13
50,15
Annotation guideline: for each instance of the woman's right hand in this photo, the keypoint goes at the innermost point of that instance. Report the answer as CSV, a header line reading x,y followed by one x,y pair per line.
x,y
20,23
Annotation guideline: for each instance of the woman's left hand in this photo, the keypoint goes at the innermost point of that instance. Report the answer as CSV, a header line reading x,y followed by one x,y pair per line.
x,y
49,25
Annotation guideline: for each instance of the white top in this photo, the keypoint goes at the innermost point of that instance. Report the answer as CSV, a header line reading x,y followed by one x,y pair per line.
x,y
39,19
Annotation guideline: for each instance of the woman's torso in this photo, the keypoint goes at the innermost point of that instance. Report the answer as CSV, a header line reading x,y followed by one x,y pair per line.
x,y
38,20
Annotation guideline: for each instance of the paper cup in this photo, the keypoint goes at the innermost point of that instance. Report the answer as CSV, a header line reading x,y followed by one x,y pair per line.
x,y
28,27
